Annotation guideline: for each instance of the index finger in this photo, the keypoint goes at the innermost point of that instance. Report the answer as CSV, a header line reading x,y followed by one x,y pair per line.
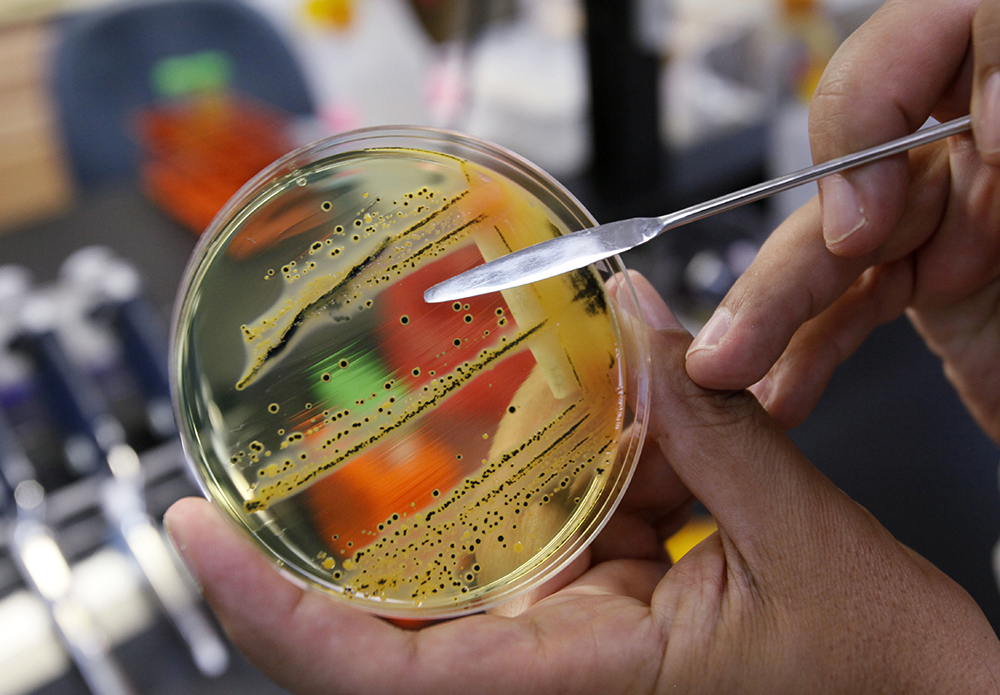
x,y
911,60
986,90
795,278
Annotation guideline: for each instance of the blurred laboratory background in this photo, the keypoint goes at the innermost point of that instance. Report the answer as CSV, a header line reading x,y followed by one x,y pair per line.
x,y
124,128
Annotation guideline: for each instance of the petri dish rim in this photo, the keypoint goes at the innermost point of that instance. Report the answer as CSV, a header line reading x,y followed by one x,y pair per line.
x,y
627,315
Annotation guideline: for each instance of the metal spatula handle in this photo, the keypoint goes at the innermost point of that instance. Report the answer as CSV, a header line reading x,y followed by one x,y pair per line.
x,y
816,172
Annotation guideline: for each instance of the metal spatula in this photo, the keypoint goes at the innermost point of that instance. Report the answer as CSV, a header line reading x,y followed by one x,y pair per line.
x,y
572,251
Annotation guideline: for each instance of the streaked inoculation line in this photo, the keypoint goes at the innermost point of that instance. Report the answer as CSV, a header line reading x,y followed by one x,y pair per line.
x,y
531,463
305,312
317,305
436,244
424,529
268,492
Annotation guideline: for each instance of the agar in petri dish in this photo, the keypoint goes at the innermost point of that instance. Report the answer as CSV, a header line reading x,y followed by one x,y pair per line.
x,y
421,460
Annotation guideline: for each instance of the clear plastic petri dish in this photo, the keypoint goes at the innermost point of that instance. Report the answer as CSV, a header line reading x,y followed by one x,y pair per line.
x,y
419,460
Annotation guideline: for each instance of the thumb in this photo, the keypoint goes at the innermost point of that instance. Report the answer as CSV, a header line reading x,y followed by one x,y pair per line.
x,y
759,487
986,85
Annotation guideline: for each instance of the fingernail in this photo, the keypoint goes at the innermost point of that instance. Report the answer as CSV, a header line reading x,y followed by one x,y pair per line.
x,y
711,333
180,550
655,311
762,391
842,211
988,124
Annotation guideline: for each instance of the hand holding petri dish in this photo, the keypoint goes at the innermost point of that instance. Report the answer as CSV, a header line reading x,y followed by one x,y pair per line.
x,y
419,460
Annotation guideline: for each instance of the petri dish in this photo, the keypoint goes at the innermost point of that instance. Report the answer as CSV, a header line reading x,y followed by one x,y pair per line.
x,y
419,460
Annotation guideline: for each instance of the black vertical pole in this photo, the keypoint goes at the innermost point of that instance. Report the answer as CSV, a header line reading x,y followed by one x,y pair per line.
x,y
624,86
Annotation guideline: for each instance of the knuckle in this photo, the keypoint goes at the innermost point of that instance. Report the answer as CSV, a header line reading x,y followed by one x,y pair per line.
x,y
722,410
